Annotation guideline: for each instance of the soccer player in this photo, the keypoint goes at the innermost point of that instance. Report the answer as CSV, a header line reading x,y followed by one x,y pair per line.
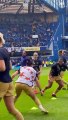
x,y
6,85
24,58
25,82
64,67
61,54
37,65
54,75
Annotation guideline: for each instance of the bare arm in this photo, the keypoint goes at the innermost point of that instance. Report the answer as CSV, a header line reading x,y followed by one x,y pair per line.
x,y
2,66
10,65
15,74
66,83
40,67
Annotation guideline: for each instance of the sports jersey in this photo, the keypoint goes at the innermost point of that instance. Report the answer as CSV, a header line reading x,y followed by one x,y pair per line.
x,y
36,64
55,69
23,60
64,67
5,76
64,59
27,75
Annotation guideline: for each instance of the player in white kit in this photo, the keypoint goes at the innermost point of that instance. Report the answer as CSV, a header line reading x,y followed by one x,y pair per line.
x,y
25,82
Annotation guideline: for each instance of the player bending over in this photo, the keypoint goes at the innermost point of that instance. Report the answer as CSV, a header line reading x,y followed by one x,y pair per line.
x,y
55,75
25,82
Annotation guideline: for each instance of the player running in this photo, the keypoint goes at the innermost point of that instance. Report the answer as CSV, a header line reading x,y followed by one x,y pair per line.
x,y
54,75
6,85
25,82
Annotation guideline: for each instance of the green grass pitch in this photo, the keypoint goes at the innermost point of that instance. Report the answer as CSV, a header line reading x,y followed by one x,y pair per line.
x,y
58,109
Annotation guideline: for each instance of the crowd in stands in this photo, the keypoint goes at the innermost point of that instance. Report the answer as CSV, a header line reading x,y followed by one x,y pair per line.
x,y
20,35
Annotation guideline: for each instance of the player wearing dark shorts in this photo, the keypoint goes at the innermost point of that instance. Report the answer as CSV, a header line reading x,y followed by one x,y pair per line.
x,y
54,75
6,85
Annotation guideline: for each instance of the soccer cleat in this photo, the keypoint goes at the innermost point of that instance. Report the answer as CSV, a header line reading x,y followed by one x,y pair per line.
x,y
54,95
44,111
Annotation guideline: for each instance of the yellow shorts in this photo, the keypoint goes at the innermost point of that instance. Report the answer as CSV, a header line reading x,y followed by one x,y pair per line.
x,y
19,87
6,89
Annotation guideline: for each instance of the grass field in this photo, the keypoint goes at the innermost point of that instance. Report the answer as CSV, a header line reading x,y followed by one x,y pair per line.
x,y
58,109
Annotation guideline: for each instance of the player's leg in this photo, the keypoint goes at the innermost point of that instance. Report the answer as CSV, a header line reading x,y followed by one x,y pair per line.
x,y
38,76
3,89
36,85
9,102
50,83
61,84
65,82
28,90
18,90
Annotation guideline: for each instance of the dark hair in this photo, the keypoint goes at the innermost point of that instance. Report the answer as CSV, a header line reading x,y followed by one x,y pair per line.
x,y
29,62
60,59
0,39
60,52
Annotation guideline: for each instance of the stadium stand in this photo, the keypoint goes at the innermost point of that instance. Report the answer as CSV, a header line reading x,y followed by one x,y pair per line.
x,y
34,23
19,35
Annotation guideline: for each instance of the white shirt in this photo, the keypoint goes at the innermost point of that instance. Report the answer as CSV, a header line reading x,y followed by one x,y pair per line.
x,y
27,76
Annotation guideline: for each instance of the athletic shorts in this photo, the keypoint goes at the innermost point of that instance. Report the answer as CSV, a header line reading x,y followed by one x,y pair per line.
x,y
6,89
54,78
19,87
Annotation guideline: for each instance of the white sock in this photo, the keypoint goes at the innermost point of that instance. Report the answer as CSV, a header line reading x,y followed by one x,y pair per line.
x,y
41,107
